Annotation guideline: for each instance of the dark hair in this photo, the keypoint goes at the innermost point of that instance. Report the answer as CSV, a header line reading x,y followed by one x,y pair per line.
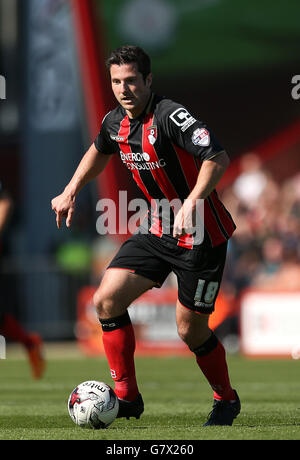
x,y
128,54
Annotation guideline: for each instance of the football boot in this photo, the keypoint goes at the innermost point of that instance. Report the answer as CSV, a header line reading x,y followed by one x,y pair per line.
x,y
224,412
131,408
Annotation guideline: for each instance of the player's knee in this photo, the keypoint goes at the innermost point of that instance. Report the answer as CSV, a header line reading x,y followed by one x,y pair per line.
x,y
183,331
193,336
103,304
108,304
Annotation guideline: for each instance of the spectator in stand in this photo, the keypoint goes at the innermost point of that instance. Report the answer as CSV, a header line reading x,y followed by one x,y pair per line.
x,y
265,249
10,328
251,183
271,263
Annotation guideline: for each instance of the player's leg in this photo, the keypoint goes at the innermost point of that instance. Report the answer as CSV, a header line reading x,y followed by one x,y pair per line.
x,y
211,358
132,272
12,329
118,289
210,354
197,294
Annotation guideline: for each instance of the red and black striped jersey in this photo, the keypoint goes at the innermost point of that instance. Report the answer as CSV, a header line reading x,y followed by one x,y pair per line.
x,y
164,148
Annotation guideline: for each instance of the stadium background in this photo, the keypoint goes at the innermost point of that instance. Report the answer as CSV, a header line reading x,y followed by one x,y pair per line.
x,y
231,63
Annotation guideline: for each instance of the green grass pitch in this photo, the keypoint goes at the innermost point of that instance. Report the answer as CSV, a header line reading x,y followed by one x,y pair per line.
x,y
176,395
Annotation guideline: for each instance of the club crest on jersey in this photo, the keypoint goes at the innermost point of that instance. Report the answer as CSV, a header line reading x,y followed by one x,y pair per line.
x,y
201,137
152,134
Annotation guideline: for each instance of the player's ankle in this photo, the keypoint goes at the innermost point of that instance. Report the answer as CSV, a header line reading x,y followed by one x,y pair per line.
x,y
126,394
228,395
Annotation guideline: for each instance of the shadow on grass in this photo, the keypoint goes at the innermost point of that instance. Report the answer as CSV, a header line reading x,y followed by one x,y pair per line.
x,y
269,425
35,421
44,422
39,422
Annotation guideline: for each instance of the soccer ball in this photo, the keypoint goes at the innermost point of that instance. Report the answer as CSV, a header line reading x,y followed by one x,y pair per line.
x,y
93,404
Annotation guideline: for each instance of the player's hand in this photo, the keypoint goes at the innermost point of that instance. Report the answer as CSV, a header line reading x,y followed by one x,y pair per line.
x,y
64,206
184,222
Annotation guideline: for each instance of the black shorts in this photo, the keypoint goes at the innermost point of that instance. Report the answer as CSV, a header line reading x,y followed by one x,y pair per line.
x,y
199,271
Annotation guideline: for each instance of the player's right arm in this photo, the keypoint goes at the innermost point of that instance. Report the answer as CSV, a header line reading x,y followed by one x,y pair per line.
x,y
91,165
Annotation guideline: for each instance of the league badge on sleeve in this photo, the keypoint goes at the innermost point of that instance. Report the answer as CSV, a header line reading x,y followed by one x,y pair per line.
x,y
152,134
201,137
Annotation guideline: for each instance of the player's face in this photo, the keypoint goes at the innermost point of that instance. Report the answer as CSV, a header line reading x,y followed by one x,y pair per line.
x,y
130,88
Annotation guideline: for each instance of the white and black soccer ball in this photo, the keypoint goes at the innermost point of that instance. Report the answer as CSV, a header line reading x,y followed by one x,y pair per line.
x,y
93,404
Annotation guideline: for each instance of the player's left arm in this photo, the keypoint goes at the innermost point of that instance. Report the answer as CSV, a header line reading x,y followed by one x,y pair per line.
x,y
209,175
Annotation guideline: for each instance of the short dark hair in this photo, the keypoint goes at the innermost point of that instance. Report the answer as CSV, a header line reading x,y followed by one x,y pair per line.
x,y
128,54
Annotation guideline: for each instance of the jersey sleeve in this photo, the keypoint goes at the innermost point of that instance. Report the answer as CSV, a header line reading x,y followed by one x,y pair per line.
x,y
103,141
189,133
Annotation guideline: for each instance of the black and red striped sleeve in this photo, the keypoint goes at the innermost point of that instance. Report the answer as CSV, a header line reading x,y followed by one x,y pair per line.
x,y
103,142
187,132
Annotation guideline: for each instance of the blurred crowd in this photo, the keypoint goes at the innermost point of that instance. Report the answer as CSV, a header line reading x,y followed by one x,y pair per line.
x,y
264,252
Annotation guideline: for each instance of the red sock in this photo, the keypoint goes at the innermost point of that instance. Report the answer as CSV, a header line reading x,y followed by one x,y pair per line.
x,y
11,329
119,346
211,359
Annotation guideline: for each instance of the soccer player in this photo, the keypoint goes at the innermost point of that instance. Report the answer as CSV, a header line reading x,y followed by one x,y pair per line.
x,y
10,327
172,156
